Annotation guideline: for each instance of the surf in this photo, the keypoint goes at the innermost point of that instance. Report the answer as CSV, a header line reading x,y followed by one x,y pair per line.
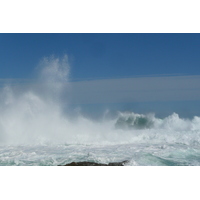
x,y
38,126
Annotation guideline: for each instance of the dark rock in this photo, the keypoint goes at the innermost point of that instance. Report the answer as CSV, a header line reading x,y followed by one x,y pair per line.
x,y
95,164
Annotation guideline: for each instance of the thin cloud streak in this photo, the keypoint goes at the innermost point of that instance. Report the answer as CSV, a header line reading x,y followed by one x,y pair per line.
x,y
176,88
124,90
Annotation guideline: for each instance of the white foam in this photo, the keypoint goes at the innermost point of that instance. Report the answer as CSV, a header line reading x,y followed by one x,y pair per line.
x,y
34,115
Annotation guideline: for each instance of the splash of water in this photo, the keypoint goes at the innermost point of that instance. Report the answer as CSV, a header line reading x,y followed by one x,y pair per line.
x,y
34,115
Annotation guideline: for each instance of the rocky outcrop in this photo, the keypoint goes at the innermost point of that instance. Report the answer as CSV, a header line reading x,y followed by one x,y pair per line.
x,y
95,164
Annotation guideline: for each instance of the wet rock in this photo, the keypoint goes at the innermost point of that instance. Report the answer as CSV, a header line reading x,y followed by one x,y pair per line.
x,y
95,164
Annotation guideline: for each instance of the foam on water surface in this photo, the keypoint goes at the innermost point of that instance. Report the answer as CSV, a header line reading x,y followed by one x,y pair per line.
x,y
136,154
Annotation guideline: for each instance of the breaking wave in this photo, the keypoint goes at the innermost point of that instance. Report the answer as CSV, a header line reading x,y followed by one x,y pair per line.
x,y
39,127
149,121
34,114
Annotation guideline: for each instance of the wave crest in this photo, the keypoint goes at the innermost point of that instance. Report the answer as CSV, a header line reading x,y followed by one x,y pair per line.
x,y
132,120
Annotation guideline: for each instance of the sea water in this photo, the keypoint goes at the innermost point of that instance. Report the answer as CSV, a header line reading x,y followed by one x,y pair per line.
x,y
152,146
35,129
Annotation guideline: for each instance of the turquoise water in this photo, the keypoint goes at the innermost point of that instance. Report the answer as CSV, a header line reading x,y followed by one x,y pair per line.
x,y
136,154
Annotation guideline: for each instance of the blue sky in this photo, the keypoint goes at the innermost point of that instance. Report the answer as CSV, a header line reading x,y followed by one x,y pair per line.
x,y
104,57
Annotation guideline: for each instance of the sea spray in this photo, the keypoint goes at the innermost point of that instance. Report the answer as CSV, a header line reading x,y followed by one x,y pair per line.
x,y
33,113
35,129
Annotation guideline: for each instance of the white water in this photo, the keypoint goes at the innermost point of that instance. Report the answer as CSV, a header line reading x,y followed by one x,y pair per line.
x,y
35,130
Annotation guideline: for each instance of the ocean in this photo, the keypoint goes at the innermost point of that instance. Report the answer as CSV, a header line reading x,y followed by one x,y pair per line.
x,y
36,130
142,140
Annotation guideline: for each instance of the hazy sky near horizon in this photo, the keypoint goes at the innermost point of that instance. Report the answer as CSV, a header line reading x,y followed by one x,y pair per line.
x,y
112,68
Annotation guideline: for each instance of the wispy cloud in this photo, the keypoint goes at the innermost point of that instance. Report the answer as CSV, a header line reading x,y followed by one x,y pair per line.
x,y
126,90
173,88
